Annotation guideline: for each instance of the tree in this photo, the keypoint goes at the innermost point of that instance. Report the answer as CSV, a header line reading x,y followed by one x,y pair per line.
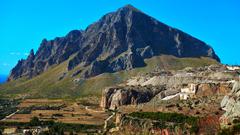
x,y
35,122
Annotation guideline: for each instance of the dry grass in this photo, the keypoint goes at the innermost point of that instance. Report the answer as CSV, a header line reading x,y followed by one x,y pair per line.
x,y
31,102
73,112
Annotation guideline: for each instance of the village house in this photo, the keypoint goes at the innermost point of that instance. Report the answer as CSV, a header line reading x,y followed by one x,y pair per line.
x,y
35,130
188,91
233,68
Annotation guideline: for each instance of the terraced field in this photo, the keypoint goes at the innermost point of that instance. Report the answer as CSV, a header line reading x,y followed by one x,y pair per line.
x,y
59,111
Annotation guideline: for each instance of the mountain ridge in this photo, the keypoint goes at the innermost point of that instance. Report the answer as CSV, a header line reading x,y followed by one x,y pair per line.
x,y
120,40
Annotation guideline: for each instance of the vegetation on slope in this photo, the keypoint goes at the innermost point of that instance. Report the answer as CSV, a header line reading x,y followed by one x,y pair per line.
x,y
54,127
48,84
176,120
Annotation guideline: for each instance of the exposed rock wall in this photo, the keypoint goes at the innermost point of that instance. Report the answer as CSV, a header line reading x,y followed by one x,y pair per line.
x,y
114,97
206,89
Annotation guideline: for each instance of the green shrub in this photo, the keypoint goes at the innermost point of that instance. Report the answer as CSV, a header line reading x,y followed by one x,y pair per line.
x,y
236,121
168,117
236,128
35,122
226,132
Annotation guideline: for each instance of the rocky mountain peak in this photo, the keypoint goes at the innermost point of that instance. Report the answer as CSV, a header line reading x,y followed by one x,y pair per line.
x,y
32,52
44,41
128,8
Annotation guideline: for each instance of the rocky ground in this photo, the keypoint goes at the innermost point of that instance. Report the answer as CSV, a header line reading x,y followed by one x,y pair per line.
x,y
190,83
189,101
197,92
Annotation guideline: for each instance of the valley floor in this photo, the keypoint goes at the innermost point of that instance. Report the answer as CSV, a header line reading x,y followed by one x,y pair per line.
x,y
59,111
72,113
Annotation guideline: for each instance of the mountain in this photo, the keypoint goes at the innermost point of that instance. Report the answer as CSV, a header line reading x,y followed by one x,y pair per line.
x,y
120,40
120,45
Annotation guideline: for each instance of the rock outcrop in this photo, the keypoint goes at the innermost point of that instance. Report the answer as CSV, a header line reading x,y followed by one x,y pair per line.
x,y
114,97
206,89
188,83
120,40
231,104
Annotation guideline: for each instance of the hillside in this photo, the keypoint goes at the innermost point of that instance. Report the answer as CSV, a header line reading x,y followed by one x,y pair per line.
x,y
49,85
121,44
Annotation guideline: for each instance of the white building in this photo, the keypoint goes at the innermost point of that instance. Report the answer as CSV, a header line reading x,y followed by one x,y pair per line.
x,y
187,92
233,68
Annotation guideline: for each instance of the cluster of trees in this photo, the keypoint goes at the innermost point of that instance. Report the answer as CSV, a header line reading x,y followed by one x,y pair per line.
x,y
165,118
168,117
55,127
7,107
60,128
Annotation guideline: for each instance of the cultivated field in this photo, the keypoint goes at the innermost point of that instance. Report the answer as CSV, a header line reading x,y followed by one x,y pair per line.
x,y
59,111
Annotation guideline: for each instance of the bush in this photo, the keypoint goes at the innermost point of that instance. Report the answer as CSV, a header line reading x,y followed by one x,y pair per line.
x,y
236,128
35,122
236,121
168,117
226,132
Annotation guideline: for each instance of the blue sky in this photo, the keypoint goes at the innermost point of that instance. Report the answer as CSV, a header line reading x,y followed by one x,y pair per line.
x,y
24,23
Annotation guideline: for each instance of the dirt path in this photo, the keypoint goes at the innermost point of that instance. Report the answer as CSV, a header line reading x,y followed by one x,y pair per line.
x,y
91,110
10,115
106,121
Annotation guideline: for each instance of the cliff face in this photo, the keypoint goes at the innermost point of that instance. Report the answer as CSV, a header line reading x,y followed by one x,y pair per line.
x,y
120,40
113,97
